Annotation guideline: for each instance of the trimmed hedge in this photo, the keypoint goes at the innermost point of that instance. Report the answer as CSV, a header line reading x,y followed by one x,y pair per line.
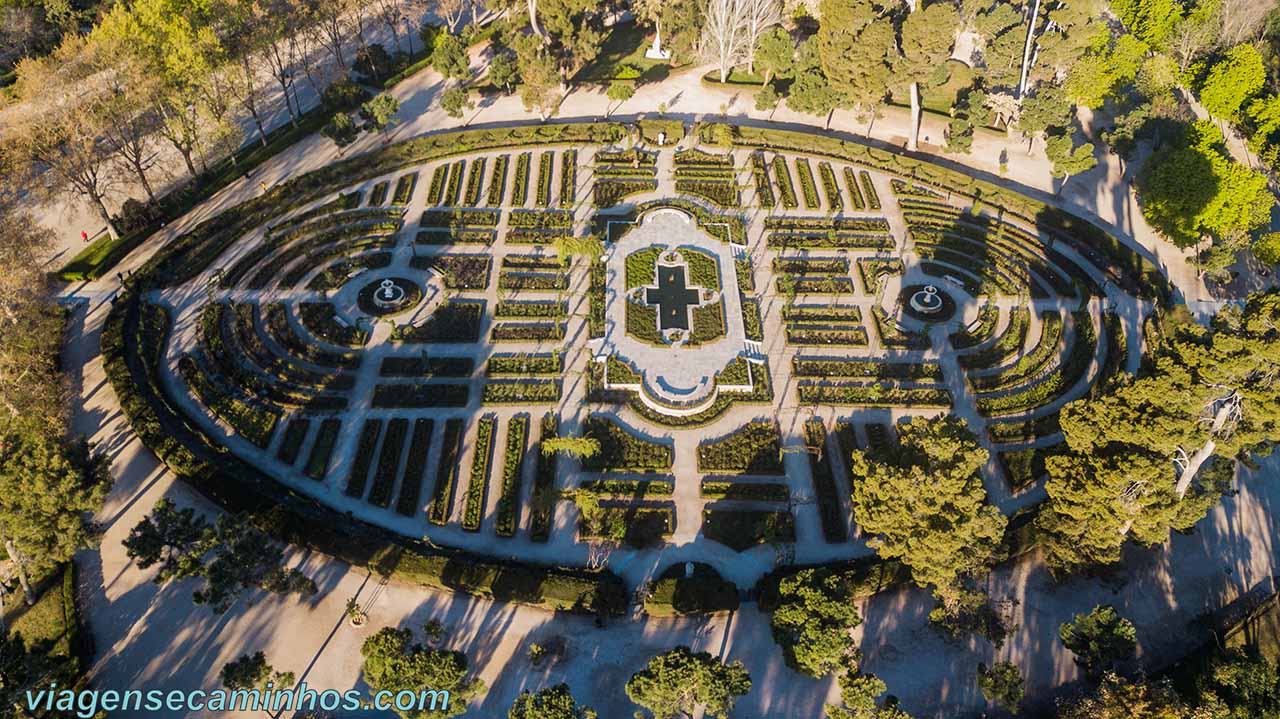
x,y
638,527
636,489
322,449
384,477
531,391
295,433
621,451
754,448
673,594
363,462
418,396
873,395
763,492
481,460
456,321
831,512
415,468
508,509
741,530
447,465
544,479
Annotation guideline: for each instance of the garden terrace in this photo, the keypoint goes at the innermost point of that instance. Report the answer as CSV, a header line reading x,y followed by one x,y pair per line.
x,y
269,390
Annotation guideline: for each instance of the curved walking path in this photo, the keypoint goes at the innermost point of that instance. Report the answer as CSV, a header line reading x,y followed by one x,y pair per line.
x,y
153,637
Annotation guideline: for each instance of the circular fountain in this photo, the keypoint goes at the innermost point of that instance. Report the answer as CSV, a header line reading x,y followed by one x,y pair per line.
x,y
389,296
927,303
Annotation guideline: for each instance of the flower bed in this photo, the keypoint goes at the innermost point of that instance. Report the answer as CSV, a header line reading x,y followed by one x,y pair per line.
x,y
447,467
760,174
708,324
508,509
893,336
543,499
815,239
830,186
855,192
988,317
637,527
457,236
609,192
746,274
404,189
475,182
869,187
835,314
478,487
759,492
256,424
322,449
821,337
786,191
831,512
384,476
872,369
536,309
460,218
546,169
534,391
720,193
752,322
419,396
872,395
320,319
636,489
699,158
520,187
754,448
523,365
282,333
1010,343
455,321
460,272
741,530
534,262
363,461
378,194
807,186
568,178
621,451
295,433
453,191
532,281
815,285
497,181
435,191
811,265
415,467
526,331
641,268
418,366
1052,384
1029,365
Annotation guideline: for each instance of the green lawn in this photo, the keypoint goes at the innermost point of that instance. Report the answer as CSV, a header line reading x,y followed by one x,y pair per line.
x,y
52,620
625,46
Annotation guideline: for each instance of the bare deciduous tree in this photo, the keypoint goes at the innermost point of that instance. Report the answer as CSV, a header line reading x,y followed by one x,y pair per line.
x,y
760,16
724,34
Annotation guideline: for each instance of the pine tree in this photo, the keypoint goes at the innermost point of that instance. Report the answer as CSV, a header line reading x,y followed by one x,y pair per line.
x,y
924,504
680,681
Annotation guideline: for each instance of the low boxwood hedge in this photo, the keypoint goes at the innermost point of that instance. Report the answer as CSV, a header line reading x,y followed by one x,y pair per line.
x,y
622,451
704,592
741,530
754,448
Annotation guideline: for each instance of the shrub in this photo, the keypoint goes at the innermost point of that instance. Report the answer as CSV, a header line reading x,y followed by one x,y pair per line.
x,y
830,510
460,218
415,396
426,367
497,181
1009,344
568,178
520,187
760,173
537,309
752,322
404,189
544,479
460,272
807,186
830,186
523,365
609,192
526,331
635,489
874,395
877,369
641,268
811,336
255,424
708,324
785,190
546,168
754,448
873,199
321,320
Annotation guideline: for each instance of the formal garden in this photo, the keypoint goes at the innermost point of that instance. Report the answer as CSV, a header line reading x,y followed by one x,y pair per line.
x,y
562,341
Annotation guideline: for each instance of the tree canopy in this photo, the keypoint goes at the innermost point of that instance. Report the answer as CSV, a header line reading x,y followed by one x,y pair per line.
x,y
922,502
680,681
812,621
394,662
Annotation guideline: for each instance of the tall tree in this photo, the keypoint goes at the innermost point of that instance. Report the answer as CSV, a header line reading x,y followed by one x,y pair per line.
x,y
922,502
551,703
724,34
230,556
928,35
394,662
1232,81
775,54
812,621
1099,639
680,682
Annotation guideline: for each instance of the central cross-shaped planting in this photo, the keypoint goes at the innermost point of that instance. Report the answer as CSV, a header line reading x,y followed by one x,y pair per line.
x,y
673,298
